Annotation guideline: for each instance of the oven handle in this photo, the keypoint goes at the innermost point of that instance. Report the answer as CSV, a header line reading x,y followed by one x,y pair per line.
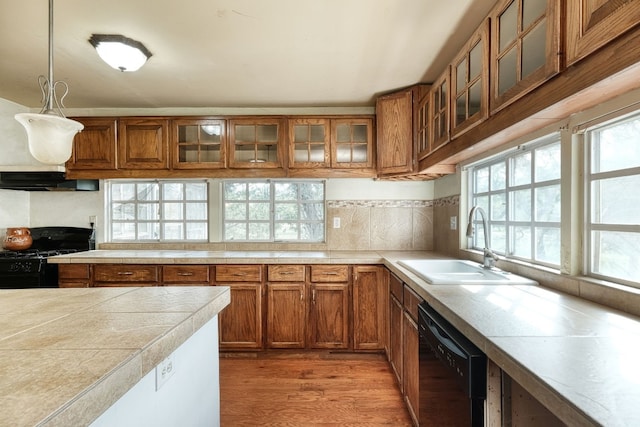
x,y
442,336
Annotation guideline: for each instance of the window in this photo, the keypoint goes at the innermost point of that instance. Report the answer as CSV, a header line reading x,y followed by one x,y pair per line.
x,y
520,193
268,211
157,210
613,217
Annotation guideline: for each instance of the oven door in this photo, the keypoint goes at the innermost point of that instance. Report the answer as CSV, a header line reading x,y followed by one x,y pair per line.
x,y
24,274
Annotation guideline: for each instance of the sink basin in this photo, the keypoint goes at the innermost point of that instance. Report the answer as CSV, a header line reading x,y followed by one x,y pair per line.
x,y
459,272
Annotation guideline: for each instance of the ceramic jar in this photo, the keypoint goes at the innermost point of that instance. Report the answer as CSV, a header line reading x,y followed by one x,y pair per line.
x,y
17,239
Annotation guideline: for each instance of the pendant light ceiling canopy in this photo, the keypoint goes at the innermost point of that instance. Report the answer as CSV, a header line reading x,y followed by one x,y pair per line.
x,y
49,133
120,52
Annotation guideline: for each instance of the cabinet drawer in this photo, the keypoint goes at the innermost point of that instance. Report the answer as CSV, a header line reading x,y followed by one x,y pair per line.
x,y
185,274
329,273
239,273
126,273
411,302
73,271
396,287
285,273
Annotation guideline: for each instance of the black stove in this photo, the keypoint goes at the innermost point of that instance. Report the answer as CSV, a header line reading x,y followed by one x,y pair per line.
x,y
29,268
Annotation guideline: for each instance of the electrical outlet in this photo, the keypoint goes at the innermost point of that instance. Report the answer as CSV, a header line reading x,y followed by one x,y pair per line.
x,y
92,219
453,223
164,371
336,222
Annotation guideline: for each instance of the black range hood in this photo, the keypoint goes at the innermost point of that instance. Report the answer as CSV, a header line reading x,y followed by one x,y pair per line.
x,y
45,181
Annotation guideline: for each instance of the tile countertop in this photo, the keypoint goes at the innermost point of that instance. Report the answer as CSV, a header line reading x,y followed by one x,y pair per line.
x,y
577,358
66,355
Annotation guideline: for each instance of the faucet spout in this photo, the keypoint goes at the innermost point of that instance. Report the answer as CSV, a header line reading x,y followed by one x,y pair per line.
x,y
489,258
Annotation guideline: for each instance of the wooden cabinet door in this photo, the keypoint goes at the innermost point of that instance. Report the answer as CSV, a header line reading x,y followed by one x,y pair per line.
x,y
95,147
411,365
593,23
309,143
329,315
198,143
525,47
352,143
74,275
394,127
286,315
143,143
370,299
256,143
470,82
395,355
439,116
240,323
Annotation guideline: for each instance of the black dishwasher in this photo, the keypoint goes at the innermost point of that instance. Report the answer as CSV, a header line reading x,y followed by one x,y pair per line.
x,y
453,374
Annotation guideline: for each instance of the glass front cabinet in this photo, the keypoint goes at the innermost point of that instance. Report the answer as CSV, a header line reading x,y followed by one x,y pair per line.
x,y
256,143
199,143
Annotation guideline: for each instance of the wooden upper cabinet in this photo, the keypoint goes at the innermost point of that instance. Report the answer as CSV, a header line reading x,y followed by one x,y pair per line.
x,y
593,23
422,124
394,127
470,82
198,143
143,143
95,147
525,47
439,116
256,143
352,143
309,143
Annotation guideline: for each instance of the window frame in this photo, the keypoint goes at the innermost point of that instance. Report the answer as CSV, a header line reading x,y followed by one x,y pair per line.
x,y
589,178
161,220
507,223
272,221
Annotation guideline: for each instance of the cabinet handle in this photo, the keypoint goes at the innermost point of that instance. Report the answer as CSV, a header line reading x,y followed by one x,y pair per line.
x,y
125,273
239,274
187,273
301,295
313,296
286,273
330,273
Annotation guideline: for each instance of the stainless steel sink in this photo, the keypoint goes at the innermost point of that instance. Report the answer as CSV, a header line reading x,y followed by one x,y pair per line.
x,y
459,272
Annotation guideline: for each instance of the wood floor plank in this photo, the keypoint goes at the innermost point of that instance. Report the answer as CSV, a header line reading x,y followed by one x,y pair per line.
x,y
294,391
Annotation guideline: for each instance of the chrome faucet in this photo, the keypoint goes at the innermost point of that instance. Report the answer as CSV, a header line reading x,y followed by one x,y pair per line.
x,y
489,258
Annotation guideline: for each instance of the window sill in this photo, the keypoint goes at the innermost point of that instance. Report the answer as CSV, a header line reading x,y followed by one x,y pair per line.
x,y
613,295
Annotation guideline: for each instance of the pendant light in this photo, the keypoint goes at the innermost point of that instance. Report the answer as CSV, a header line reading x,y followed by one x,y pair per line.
x,y
49,133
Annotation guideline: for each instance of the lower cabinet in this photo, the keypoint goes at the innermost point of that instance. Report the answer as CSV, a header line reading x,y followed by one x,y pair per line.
x,y
370,296
240,323
302,313
327,306
404,342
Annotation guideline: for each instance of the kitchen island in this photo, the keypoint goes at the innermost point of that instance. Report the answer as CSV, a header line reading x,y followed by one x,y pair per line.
x,y
577,358
72,357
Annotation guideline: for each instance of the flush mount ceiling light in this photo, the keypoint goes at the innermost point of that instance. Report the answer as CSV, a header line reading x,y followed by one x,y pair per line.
x,y
49,133
120,52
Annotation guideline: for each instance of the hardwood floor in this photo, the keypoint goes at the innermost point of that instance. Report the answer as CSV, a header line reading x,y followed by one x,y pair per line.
x,y
350,390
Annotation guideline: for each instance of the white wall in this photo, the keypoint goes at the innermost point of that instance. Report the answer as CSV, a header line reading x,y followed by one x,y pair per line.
x,y
14,209
14,149
369,189
190,397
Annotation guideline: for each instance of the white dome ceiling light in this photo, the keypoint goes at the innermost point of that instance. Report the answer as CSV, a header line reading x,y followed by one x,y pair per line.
x,y
120,52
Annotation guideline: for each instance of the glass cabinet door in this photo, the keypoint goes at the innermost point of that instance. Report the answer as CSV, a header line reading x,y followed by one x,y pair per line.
x,y
309,143
440,111
255,143
525,47
352,141
469,75
199,143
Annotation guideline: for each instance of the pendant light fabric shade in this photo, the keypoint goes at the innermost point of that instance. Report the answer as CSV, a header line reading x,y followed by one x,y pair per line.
x,y
120,52
50,136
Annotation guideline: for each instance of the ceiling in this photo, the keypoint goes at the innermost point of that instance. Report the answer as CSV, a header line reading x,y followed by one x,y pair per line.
x,y
234,53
